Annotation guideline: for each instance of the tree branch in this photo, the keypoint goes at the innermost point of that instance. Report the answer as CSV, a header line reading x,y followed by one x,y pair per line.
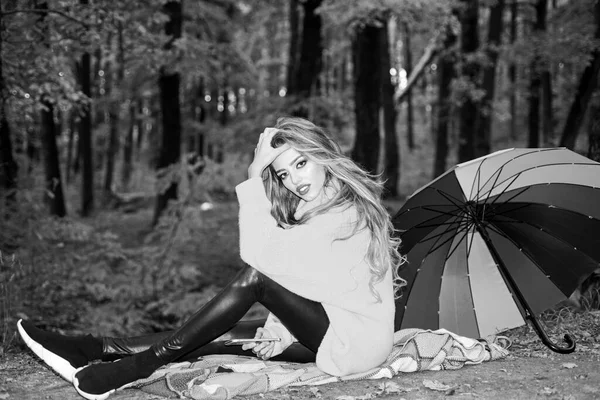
x,y
430,51
42,11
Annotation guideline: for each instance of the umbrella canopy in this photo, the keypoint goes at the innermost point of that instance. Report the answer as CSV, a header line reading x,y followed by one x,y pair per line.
x,y
496,240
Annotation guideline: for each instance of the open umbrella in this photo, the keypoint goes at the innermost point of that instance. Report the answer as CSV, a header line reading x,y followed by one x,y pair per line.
x,y
497,240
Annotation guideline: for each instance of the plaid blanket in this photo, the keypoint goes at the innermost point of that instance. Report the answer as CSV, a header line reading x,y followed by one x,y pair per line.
x,y
227,376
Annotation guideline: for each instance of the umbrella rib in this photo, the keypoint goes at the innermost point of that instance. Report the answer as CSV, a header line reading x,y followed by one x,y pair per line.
x,y
476,179
497,197
465,230
430,251
532,168
450,215
492,214
448,229
435,245
489,193
456,202
500,168
547,231
532,259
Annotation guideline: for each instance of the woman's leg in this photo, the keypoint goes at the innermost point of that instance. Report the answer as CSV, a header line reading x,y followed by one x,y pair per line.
x,y
118,347
304,318
115,348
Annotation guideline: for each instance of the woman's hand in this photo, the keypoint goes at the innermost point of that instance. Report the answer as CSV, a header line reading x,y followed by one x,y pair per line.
x,y
264,153
263,350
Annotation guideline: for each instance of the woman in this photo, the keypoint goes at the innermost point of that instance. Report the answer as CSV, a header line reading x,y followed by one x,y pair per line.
x,y
322,258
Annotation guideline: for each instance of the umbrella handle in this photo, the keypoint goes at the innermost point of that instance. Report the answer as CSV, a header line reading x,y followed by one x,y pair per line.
x,y
570,343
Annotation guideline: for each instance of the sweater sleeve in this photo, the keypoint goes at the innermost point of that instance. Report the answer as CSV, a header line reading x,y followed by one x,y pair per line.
x,y
306,259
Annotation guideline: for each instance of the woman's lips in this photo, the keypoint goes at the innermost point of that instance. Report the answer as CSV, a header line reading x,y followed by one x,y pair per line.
x,y
303,189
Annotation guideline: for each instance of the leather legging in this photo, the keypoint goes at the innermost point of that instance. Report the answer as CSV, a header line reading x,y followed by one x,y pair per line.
x,y
206,331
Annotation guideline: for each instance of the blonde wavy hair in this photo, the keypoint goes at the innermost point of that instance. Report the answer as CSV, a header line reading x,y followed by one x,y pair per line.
x,y
354,186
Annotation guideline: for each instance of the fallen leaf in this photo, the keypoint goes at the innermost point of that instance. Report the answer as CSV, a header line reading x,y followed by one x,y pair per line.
x,y
569,365
345,397
315,392
548,391
390,387
436,385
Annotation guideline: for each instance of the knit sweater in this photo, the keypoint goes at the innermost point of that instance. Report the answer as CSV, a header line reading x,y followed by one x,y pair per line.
x,y
308,260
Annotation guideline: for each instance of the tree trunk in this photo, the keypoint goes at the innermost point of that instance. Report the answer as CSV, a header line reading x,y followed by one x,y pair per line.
x,y
495,29
53,193
292,67
113,85
512,71
311,53
367,82
171,111
141,127
533,117
541,85
8,165
445,75
594,128
98,114
430,51
391,166
409,101
70,144
469,109
85,141
547,108
200,117
587,84
85,136
127,166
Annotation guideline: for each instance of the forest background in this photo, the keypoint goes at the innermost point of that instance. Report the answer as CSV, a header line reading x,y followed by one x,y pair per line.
x,y
125,126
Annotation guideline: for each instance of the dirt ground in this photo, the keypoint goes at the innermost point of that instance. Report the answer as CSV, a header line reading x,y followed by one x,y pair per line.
x,y
531,371
524,374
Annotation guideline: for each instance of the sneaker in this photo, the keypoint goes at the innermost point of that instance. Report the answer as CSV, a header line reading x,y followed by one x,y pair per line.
x,y
59,364
88,396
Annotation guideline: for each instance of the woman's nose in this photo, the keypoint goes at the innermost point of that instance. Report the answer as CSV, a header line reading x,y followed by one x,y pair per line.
x,y
294,179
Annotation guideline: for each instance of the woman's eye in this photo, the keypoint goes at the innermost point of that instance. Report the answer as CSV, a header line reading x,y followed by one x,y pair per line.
x,y
282,176
301,164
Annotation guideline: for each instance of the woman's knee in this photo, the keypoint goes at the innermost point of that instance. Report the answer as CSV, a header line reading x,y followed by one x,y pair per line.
x,y
248,277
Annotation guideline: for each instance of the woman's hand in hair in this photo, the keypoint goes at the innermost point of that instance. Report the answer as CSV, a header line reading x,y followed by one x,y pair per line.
x,y
264,153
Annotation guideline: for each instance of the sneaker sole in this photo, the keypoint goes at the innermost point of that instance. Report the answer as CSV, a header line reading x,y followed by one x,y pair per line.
x,y
88,395
54,361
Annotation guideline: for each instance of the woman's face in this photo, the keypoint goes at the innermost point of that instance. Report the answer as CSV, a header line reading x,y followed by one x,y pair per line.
x,y
300,175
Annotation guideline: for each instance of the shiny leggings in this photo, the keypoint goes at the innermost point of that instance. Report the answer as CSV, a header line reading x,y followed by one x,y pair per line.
x,y
206,331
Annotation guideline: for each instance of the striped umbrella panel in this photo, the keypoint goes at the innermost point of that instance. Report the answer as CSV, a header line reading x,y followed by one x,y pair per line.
x,y
492,174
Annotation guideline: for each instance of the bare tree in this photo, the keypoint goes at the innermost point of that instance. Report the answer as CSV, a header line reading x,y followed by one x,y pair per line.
x,y
170,149
512,71
594,128
587,84
468,112
446,72
489,77
410,134
367,83
85,136
391,166
8,165
53,193
114,85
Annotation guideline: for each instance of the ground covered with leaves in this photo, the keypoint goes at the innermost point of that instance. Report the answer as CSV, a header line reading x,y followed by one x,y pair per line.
x,y
112,275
